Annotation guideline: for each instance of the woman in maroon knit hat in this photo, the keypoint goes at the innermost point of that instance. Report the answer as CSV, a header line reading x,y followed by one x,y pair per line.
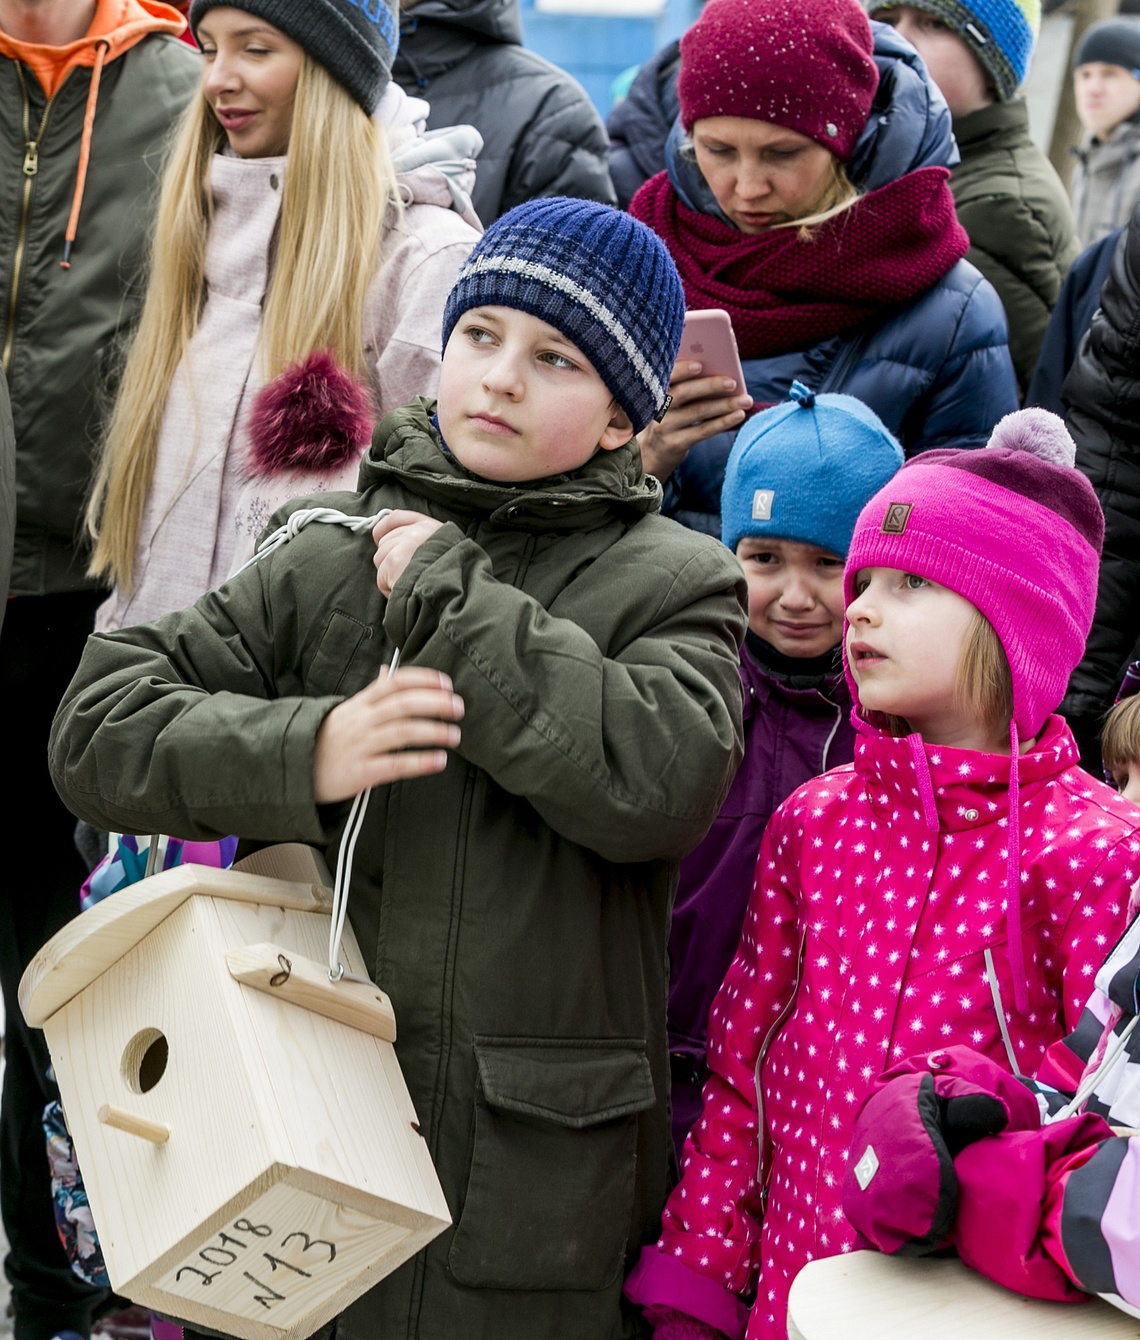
x,y
806,193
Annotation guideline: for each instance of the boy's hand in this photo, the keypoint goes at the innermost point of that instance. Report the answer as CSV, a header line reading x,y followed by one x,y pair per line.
x,y
398,535
399,726
702,407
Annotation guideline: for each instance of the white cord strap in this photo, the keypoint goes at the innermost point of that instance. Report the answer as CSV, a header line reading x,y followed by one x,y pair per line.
x,y
344,868
359,525
995,992
1112,1054
304,516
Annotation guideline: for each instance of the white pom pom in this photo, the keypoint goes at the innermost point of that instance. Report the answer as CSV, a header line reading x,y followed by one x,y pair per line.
x,y
1038,432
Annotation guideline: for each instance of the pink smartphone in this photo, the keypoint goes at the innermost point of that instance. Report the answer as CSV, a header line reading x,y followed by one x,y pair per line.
x,y
707,338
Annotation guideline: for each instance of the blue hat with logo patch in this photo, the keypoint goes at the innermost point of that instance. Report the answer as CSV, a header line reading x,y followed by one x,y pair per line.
x,y
804,470
1001,34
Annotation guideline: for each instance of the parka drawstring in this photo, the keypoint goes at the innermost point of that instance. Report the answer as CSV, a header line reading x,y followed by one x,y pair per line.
x,y
101,50
1013,853
1013,878
925,785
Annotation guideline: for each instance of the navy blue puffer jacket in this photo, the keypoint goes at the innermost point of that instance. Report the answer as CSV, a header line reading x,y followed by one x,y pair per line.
x,y
937,370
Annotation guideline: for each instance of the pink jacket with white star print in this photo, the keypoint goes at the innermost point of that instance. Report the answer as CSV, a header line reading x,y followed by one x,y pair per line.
x,y
890,908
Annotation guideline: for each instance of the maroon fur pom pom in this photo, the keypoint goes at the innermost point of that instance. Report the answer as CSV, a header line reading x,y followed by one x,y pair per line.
x,y
313,417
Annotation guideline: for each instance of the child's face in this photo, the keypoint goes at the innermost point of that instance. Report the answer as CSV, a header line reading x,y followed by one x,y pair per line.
x,y
904,641
519,401
949,61
1128,780
1106,95
795,595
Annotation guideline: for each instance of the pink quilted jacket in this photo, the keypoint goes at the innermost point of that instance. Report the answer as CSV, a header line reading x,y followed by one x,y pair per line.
x,y
882,909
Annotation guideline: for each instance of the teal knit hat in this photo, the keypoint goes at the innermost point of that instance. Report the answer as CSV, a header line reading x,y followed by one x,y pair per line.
x,y
1001,33
804,470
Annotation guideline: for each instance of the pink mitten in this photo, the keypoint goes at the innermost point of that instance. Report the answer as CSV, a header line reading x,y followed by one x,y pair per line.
x,y
669,1324
1002,1186
900,1189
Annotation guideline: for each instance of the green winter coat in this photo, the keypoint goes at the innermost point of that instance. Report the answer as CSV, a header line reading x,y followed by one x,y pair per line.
x,y
7,489
1012,204
515,906
61,330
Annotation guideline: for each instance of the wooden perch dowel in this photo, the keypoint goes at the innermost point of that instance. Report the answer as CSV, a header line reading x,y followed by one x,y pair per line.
x,y
157,1132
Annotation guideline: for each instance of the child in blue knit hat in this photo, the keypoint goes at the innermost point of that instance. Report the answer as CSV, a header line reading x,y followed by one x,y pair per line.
x,y
512,879
797,479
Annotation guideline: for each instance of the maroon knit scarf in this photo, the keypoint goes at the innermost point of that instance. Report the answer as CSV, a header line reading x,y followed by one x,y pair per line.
x,y
783,292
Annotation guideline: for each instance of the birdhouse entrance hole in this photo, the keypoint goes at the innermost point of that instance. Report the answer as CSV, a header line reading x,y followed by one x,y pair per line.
x,y
144,1060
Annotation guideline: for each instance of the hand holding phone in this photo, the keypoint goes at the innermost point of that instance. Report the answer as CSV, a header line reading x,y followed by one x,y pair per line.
x,y
707,338
708,393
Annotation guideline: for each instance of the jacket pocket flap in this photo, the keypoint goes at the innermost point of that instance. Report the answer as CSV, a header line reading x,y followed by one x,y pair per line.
x,y
574,1084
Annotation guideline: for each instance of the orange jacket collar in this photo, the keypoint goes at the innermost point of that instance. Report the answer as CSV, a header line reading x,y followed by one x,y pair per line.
x,y
121,24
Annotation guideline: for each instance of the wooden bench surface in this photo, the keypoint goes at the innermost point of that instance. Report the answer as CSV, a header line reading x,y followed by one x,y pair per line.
x,y
868,1296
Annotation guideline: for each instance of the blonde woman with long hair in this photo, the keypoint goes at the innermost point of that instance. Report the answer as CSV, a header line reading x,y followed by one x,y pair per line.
x,y
809,198
306,240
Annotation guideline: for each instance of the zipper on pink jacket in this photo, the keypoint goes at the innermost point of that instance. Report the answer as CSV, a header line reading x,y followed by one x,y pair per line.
x,y
769,1037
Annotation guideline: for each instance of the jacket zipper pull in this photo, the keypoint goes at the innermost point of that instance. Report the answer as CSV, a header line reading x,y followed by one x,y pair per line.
x,y
31,158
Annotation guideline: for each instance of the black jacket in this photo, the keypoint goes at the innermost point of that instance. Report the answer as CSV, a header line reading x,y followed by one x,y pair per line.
x,y
541,133
1011,202
63,329
7,490
1102,394
1077,302
640,124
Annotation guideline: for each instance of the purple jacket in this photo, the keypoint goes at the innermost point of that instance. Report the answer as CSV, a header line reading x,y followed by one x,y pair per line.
x,y
790,735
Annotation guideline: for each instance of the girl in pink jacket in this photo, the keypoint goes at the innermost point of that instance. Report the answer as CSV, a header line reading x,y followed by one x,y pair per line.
x,y
959,883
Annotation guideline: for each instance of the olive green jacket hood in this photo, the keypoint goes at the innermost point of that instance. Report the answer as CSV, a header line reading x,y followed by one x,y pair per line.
x,y
407,447
1011,202
515,906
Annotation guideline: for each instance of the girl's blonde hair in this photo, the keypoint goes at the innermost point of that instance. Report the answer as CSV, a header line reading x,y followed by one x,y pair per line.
x,y
983,684
839,194
1120,739
338,194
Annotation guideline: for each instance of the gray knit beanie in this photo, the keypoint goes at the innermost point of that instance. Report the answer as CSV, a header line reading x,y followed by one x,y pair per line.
x,y
355,40
1113,42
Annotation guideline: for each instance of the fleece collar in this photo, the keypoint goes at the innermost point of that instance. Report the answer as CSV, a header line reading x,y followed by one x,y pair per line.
x,y
407,448
964,781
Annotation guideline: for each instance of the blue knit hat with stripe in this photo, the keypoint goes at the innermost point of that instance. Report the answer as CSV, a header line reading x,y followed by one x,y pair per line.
x,y
596,275
1001,33
355,40
804,470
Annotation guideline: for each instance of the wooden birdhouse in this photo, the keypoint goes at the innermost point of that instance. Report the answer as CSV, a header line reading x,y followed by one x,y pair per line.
x,y
250,1150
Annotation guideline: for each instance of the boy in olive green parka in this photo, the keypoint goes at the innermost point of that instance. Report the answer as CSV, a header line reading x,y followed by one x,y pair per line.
x,y
513,881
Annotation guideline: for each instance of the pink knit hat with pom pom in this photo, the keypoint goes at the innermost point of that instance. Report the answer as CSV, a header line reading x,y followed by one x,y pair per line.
x,y
1017,531
1013,528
